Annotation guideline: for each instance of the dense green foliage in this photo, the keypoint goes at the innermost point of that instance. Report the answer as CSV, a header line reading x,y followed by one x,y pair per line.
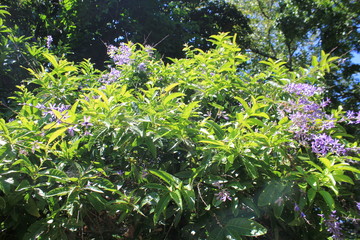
x,y
192,149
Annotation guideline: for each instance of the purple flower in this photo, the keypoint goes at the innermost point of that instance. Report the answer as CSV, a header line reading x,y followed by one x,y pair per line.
x,y
49,40
357,120
297,209
354,118
149,50
40,106
60,108
223,115
23,152
358,205
71,130
223,195
110,77
142,67
333,225
86,123
111,50
87,133
323,144
325,103
350,114
120,55
303,89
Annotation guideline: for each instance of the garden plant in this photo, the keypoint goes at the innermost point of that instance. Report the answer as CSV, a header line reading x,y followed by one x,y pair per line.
x,y
193,148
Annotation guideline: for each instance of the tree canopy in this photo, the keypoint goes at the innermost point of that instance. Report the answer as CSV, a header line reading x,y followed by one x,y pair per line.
x,y
287,30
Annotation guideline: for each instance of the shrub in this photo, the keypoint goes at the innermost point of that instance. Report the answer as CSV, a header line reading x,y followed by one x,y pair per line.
x,y
196,149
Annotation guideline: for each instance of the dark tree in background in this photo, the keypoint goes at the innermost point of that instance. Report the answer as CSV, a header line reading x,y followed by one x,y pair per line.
x,y
291,30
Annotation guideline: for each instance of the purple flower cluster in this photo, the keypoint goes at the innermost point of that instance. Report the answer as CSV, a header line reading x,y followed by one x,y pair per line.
x,y
333,225
303,89
110,77
49,40
121,55
48,110
85,123
223,195
307,117
352,117
323,144
142,67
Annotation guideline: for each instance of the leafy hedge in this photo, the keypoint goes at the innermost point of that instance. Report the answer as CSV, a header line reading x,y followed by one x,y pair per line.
x,y
196,149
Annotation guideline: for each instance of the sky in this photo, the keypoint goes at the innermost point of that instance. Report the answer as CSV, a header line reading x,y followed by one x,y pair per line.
x,y
356,59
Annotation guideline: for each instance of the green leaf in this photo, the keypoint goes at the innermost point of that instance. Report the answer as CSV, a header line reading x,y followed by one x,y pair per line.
x,y
217,233
343,178
97,201
346,168
172,96
51,59
312,181
57,174
56,134
328,199
58,191
94,189
168,178
278,209
32,208
252,206
151,146
101,94
161,206
171,87
189,197
237,186
24,185
176,196
251,169
260,114
188,109
156,186
215,144
216,127
104,183
314,61
244,227
311,193
255,122
326,162
244,103
271,193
